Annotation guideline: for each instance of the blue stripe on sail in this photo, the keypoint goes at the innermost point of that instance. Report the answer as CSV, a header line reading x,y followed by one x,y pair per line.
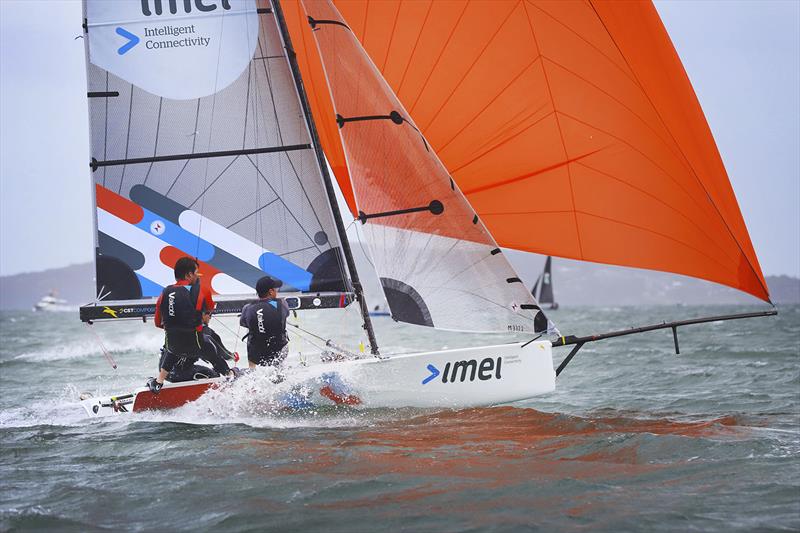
x,y
286,271
149,288
176,236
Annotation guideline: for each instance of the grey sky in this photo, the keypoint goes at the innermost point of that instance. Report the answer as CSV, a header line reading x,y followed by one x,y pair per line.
x,y
742,57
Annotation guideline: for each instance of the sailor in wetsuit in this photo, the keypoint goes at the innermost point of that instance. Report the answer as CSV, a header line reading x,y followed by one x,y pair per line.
x,y
265,321
211,350
178,312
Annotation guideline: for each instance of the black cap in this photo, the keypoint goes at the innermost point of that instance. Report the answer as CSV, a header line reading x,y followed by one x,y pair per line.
x,y
263,285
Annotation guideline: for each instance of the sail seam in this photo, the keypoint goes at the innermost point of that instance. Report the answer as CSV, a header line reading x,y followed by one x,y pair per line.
x,y
414,49
472,65
560,130
692,170
489,103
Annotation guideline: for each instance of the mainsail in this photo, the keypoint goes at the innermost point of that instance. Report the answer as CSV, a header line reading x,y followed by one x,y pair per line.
x,y
586,100
438,264
200,147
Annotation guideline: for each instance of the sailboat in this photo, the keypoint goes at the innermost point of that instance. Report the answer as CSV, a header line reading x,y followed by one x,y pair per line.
x,y
212,124
544,286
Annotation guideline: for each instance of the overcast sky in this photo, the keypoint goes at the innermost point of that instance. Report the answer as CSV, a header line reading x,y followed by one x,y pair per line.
x,y
742,57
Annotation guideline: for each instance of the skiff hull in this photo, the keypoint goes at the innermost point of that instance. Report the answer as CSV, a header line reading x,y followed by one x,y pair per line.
x,y
468,377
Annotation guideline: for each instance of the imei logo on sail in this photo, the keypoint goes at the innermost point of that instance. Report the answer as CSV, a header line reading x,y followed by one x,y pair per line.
x,y
201,5
488,368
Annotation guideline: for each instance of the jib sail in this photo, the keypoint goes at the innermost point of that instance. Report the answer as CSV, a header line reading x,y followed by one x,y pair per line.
x,y
437,263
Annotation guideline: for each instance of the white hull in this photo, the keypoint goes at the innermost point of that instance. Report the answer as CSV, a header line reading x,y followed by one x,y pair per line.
x,y
468,377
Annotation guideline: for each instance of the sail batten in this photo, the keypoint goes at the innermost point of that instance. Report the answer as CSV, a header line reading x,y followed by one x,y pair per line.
x,y
582,108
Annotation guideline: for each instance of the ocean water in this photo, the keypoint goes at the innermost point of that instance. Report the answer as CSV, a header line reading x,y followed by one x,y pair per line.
x,y
635,438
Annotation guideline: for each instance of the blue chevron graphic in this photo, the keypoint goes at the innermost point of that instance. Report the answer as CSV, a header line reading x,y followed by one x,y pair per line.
x,y
434,372
133,40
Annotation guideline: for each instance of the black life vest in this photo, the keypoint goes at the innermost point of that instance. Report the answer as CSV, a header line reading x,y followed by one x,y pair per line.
x,y
266,324
179,307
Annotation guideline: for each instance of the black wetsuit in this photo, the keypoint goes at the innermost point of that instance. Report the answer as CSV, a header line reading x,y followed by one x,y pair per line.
x,y
266,338
184,344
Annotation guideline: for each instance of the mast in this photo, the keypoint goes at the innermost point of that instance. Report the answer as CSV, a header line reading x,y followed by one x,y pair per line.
x,y
337,217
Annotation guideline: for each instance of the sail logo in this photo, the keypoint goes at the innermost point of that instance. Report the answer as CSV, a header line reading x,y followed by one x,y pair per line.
x,y
260,319
133,40
488,368
171,303
201,5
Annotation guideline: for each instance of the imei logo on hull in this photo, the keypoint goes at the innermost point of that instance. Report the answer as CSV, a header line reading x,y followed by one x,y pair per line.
x,y
469,370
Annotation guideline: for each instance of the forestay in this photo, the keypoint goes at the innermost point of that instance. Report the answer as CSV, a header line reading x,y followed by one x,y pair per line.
x,y
199,147
438,264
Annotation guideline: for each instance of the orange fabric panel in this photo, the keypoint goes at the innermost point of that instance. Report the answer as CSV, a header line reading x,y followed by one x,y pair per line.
x,y
318,96
571,127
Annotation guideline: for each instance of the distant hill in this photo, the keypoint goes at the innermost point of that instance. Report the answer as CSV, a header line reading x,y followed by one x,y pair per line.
x,y
576,283
74,283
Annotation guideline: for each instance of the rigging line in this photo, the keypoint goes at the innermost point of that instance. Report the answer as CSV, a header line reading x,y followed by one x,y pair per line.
x,y
211,130
253,213
207,185
155,144
560,130
103,347
194,143
127,140
281,199
288,158
258,124
247,104
697,178
105,134
283,254
361,245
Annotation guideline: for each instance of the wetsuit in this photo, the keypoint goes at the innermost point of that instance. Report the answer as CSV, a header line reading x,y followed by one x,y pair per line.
x,y
265,321
178,311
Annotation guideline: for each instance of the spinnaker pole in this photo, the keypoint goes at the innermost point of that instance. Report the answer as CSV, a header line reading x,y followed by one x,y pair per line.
x,y
578,342
326,178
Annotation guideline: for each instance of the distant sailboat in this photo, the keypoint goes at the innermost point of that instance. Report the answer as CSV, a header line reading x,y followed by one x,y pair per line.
x,y
544,286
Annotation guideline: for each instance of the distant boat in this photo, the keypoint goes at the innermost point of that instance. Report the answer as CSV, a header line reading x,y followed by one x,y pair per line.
x,y
51,303
379,311
545,296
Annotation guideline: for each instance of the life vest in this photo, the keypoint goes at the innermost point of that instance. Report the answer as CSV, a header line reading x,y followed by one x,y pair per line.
x,y
179,307
266,323
180,317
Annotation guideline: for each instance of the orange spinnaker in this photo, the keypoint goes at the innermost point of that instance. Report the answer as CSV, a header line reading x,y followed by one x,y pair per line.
x,y
571,127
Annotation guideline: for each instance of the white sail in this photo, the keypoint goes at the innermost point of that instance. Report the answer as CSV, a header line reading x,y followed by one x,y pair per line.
x,y
200,147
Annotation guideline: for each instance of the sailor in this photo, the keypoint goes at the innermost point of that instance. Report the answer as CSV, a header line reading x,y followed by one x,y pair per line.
x,y
212,343
178,312
265,321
